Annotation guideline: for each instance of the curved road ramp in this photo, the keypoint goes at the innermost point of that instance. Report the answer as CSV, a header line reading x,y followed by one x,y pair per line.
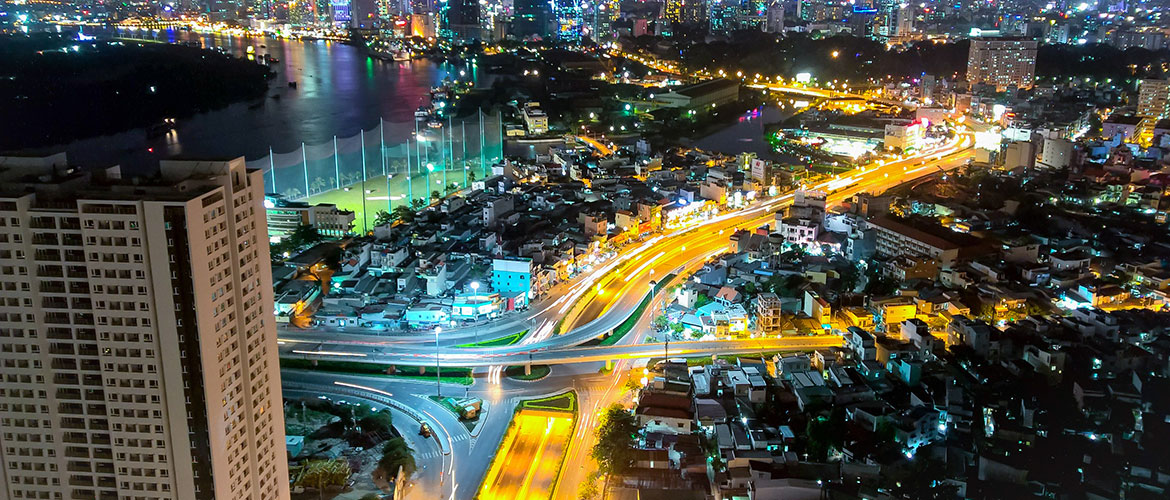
x,y
529,458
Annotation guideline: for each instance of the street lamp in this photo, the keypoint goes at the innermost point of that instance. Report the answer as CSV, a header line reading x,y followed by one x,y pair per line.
x,y
475,310
438,368
430,168
389,195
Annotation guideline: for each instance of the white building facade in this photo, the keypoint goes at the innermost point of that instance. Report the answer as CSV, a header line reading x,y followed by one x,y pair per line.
x,y
136,335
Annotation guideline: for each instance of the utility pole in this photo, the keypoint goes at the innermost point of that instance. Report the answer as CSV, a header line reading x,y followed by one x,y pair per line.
x,y
438,368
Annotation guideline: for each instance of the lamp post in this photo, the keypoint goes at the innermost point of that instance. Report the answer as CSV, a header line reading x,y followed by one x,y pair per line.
x,y
389,202
475,309
438,368
430,168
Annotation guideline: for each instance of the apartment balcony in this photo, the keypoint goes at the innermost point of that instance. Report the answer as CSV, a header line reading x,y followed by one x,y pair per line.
x,y
65,379
81,481
43,223
55,302
50,272
59,334
52,287
57,318
77,452
75,438
73,423
91,380
69,393
64,364
49,239
62,349
73,466
79,287
50,255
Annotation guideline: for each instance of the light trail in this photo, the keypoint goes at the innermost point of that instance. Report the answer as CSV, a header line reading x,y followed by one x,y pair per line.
x,y
362,387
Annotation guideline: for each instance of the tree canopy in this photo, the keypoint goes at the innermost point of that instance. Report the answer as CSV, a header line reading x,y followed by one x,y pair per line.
x,y
616,436
397,455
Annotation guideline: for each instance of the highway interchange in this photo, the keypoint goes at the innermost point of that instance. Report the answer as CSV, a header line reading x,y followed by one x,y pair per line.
x,y
453,464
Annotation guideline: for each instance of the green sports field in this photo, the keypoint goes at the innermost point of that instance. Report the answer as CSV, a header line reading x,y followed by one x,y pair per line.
x,y
400,191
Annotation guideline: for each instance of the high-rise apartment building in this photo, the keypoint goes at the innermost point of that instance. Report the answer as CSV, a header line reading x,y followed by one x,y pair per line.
x,y
1003,62
1154,98
136,334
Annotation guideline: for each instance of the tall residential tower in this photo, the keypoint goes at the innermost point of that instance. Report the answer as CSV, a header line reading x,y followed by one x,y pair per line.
x,y
136,334
1002,62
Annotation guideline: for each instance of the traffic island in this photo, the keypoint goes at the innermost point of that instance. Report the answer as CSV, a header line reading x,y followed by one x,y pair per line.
x,y
533,450
469,411
527,373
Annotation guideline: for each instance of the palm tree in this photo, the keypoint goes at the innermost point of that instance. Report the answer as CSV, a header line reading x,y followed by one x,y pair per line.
x,y
383,217
317,185
292,193
402,213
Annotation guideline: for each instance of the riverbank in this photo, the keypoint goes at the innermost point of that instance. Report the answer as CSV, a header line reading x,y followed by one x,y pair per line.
x,y
55,90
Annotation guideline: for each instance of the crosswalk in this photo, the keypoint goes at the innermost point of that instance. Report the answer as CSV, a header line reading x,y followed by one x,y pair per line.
x,y
435,453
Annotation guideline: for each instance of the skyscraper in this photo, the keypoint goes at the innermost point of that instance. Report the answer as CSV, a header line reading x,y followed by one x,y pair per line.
x,y
775,20
136,334
532,18
1003,62
459,21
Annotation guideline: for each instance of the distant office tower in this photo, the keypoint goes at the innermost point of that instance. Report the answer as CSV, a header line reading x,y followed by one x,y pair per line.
x,y
722,16
423,18
532,18
222,10
905,21
365,15
672,10
599,19
1002,62
1154,98
686,11
569,19
339,12
136,335
775,22
459,21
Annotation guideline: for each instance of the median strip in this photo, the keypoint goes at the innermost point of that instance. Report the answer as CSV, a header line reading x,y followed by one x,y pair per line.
x,y
498,342
450,375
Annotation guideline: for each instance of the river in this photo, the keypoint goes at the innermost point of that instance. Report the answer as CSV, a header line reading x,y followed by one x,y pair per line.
x,y
747,134
339,91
